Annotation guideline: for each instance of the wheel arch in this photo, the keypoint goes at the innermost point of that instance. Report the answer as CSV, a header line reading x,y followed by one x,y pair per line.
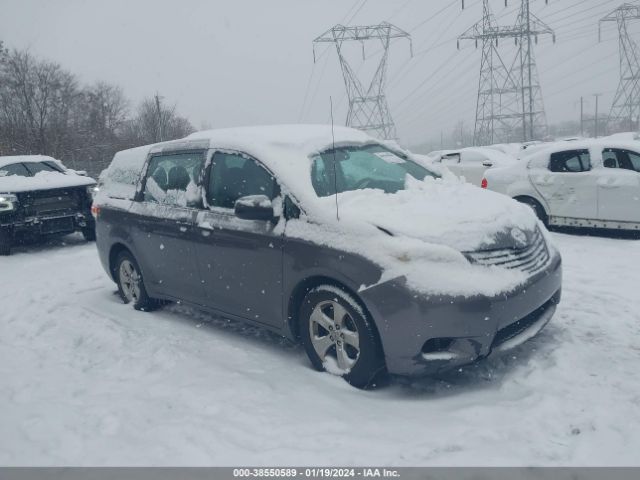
x,y
115,250
530,198
305,286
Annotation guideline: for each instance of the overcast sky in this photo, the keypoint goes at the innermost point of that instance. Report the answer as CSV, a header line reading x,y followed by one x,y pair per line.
x,y
241,62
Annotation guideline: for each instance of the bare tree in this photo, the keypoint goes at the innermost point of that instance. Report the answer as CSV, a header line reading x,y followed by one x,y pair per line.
x,y
36,100
154,122
43,110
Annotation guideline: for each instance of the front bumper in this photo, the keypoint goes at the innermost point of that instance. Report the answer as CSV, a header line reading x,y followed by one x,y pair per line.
x,y
58,224
426,334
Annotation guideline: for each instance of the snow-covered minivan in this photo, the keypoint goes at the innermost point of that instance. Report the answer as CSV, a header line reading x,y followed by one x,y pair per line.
x,y
374,262
586,184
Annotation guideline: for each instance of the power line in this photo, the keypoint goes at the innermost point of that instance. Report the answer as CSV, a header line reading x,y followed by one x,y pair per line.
x,y
368,108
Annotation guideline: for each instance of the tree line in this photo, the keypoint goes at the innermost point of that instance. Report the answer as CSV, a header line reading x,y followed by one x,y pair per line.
x,y
44,109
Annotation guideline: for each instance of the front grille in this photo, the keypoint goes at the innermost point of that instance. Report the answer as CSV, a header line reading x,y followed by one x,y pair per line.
x,y
530,259
51,202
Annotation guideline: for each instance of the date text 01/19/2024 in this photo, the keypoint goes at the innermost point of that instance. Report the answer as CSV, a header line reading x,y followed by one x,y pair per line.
x,y
318,472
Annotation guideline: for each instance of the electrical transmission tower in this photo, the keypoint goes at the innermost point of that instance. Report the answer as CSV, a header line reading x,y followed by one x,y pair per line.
x,y
368,108
509,104
626,103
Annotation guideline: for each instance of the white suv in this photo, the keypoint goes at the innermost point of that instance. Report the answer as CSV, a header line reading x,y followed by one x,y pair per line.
x,y
593,183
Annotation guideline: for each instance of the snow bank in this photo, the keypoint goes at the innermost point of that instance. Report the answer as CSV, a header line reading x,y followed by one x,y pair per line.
x,y
86,380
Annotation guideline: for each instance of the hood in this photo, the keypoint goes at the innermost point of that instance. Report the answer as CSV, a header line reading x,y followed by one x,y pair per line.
x,y
43,181
443,212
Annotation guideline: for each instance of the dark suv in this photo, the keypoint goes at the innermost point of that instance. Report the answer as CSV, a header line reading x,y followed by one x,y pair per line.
x,y
374,262
40,197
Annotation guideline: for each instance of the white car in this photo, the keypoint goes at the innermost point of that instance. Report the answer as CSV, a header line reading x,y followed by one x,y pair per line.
x,y
592,183
472,162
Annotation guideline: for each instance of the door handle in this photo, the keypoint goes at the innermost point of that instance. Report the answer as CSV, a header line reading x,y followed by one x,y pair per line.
x,y
608,183
544,181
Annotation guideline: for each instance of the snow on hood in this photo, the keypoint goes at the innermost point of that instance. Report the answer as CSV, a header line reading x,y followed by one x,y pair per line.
x,y
432,222
443,212
43,181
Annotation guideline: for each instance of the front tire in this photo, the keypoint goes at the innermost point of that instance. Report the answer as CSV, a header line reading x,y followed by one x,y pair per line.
x,y
131,284
339,337
6,241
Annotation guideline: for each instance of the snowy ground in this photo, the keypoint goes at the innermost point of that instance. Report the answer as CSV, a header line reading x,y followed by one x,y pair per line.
x,y
85,380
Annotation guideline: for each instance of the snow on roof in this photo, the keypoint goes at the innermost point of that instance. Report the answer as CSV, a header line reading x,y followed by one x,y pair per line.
x,y
307,139
9,160
283,149
604,142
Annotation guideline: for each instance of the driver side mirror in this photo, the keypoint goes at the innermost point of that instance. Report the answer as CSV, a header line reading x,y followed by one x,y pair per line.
x,y
254,207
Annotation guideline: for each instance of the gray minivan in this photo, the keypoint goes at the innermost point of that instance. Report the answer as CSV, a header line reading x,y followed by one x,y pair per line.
x,y
376,263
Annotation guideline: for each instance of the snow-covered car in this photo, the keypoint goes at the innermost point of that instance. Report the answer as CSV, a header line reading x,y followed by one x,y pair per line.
x,y
374,262
472,162
594,183
39,197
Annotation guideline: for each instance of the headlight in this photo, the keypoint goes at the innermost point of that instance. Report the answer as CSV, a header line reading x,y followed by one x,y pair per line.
x,y
92,190
8,202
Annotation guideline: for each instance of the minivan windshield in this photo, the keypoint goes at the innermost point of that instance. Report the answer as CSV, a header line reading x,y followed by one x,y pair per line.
x,y
360,167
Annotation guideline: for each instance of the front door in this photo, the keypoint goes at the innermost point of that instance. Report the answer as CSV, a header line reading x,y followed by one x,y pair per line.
x,y
240,261
164,223
619,186
568,184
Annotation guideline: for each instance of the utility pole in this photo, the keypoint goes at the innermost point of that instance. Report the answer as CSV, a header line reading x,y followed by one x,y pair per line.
x,y
509,97
597,95
368,108
625,108
159,122
582,117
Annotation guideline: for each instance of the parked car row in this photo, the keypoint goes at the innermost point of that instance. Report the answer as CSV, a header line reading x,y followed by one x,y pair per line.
x,y
593,184
40,197
363,252
470,163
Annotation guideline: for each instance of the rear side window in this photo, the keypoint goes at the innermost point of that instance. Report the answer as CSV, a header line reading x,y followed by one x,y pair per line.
x,y
571,161
234,176
17,169
618,158
174,179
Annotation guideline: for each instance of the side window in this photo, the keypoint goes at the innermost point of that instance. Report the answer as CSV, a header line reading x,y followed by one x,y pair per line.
x,y
14,169
634,159
570,161
610,158
234,176
624,159
322,181
173,179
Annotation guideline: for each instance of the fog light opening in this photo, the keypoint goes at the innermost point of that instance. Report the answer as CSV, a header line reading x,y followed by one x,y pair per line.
x,y
436,345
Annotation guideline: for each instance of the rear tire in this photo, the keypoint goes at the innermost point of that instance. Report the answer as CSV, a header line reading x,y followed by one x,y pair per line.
x,y
339,337
537,208
89,233
6,241
131,284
